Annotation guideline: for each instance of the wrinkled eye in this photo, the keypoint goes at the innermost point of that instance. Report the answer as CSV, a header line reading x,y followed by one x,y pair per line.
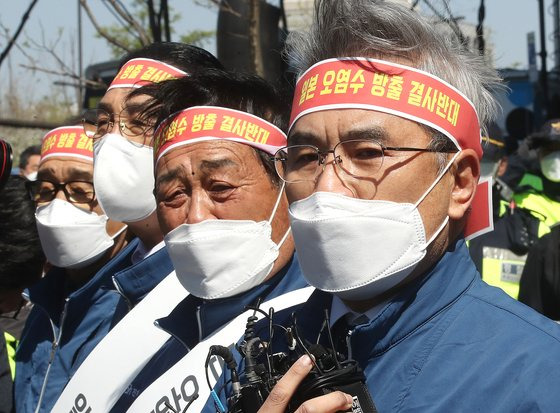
x,y
221,187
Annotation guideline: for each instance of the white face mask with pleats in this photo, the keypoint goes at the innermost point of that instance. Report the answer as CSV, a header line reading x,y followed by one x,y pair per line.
x,y
220,258
356,248
123,176
70,236
550,166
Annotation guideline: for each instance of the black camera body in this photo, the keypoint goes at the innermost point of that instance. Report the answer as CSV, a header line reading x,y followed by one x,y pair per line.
x,y
263,369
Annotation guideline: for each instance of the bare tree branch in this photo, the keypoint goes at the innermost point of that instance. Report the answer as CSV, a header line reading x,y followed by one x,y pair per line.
x,y
18,31
120,20
16,45
64,73
221,4
144,37
450,22
454,21
43,46
102,32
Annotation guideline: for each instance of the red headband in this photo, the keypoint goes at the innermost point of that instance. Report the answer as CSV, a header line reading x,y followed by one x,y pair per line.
x,y
67,141
140,72
203,123
361,83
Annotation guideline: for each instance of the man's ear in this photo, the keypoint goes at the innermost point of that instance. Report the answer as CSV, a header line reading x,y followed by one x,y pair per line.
x,y
466,171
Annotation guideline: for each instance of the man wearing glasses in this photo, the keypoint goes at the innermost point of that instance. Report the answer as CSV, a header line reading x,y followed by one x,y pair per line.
x,y
123,159
75,301
382,171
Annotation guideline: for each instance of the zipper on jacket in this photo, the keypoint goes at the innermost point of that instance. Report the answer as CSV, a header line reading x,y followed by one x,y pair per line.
x,y
54,348
122,294
156,323
349,344
199,321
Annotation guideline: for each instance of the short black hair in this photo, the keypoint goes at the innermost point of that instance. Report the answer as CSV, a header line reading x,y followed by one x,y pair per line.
x,y
183,56
27,153
241,91
21,256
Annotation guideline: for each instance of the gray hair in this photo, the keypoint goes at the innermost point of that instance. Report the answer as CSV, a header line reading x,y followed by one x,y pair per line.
x,y
384,30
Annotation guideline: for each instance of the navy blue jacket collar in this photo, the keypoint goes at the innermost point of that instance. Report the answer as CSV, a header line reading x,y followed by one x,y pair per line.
x,y
412,307
182,321
49,292
136,281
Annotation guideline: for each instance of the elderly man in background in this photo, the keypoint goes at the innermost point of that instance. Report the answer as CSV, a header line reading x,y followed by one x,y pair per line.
x,y
224,212
75,302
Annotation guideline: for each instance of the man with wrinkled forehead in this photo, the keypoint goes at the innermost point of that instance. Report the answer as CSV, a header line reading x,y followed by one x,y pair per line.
x,y
382,174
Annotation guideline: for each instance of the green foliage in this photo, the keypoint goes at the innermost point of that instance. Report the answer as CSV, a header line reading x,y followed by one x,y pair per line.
x,y
139,10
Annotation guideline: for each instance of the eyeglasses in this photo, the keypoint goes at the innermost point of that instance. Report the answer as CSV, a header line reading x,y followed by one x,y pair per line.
x,y
97,122
360,158
76,192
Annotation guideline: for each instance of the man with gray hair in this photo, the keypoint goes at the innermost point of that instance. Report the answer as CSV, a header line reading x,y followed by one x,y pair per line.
x,y
382,171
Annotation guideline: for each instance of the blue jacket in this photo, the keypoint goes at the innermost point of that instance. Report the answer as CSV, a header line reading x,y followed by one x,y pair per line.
x,y
67,329
136,281
195,319
450,343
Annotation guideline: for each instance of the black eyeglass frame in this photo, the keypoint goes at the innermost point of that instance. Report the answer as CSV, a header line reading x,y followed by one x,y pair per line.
x,y
323,154
58,186
124,127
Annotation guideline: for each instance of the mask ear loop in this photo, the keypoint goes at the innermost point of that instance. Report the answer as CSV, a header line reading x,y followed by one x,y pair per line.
x,y
274,213
436,181
119,232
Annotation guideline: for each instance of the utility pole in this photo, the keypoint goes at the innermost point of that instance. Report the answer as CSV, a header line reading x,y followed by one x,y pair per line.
x,y
542,54
480,28
80,61
556,17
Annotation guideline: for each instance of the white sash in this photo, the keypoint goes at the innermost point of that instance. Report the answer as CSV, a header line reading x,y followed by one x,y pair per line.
x,y
119,357
187,377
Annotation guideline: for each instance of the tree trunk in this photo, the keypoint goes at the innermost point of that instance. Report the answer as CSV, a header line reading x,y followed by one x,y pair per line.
x,y
254,36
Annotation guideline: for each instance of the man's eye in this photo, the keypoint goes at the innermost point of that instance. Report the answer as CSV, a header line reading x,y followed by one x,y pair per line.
x,y
367,154
220,188
172,198
45,191
305,158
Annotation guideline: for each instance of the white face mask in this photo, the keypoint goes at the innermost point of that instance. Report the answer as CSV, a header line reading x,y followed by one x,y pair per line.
x,y
355,248
32,176
220,258
123,176
550,166
70,236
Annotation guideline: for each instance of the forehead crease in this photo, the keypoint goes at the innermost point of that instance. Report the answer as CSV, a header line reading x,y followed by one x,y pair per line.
x,y
83,173
213,164
171,173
